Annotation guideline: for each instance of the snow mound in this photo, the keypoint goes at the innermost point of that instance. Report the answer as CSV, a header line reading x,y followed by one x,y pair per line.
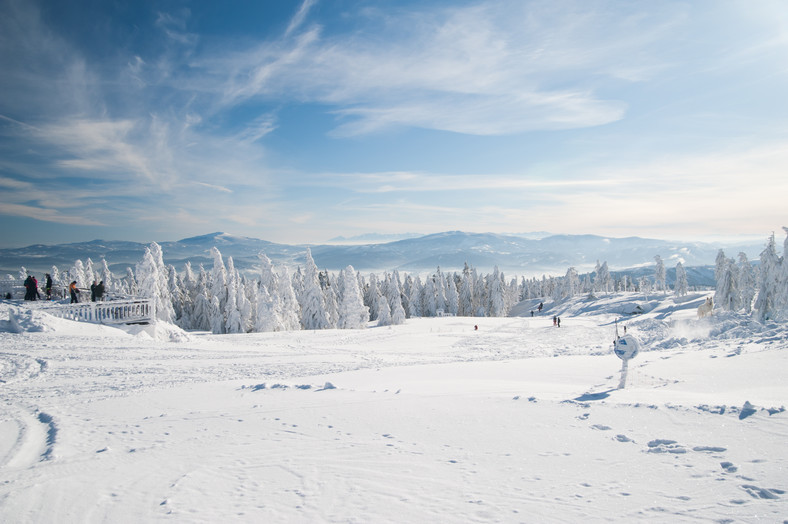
x,y
160,331
22,319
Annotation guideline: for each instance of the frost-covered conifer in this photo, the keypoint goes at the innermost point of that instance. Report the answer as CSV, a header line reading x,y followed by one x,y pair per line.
x,y
645,285
201,313
465,301
782,279
727,295
218,279
719,265
371,294
177,297
452,297
746,283
90,272
217,317
430,304
660,275
106,277
164,309
415,301
313,302
147,278
332,306
681,288
245,306
440,291
398,314
232,315
290,312
571,284
77,272
497,304
384,312
268,318
130,283
768,281
407,287
353,314
269,304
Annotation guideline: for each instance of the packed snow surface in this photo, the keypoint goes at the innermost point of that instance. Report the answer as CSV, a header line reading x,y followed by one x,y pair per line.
x,y
429,421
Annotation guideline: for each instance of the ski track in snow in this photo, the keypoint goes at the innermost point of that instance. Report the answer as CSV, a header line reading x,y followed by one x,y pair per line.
x,y
431,421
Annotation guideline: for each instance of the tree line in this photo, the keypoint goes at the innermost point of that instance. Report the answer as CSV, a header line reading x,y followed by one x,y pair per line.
x,y
222,300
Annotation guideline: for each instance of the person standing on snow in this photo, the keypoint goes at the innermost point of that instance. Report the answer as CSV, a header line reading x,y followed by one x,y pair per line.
x,y
48,287
74,292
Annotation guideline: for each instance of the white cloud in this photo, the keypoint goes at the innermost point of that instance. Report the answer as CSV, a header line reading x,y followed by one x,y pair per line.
x,y
45,214
490,69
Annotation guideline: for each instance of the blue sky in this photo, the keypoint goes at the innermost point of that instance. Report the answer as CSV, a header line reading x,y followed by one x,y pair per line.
x,y
297,122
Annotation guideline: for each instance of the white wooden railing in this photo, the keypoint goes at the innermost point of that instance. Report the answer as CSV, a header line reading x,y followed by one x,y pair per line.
x,y
14,287
132,311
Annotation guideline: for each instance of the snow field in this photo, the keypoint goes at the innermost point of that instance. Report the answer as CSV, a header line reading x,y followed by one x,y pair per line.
x,y
429,421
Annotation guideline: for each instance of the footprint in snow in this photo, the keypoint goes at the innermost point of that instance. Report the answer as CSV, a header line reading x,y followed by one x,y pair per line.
x,y
729,467
665,446
762,493
709,449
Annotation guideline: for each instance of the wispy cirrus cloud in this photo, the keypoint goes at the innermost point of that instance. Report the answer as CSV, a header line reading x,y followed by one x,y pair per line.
x,y
46,214
485,69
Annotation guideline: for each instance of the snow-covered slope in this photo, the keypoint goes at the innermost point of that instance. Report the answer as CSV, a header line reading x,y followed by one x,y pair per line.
x,y
430,421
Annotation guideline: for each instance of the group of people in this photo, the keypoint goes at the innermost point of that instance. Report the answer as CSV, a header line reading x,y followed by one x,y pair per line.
x,y
32,292
556,319
31,288
96,291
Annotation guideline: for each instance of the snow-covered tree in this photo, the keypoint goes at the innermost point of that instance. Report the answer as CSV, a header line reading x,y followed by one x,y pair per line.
x,y
267,316
781,297
727,295
497,304
465,303
384,312
269,303
430,298
768,282
147,276
106,276
332,305
398,314
291,309
746,283
452,298
164,310
660,275
415,299
201,313
353,314
77,272
313,304
681,288
217,316
645,285
371,294
571,284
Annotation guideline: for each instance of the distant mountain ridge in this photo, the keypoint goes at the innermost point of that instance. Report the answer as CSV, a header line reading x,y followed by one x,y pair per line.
x,y
450,250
